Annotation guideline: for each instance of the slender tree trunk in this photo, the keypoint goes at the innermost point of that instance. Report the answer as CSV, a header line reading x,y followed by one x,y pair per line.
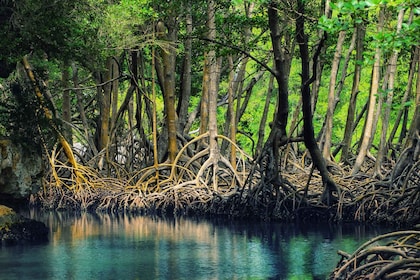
x,y
383,147
115,73
414,131
241,107
185,92
236,82
231,115
166,70
269,158
243,62
342,80
104,100
50,117
308,130
282,110
204,104
248,91
332,96
367,134
66,106
270,153
411,153
407,93
213,69
213,77
348,132
345,68
320,62
81,108
263,122
238,85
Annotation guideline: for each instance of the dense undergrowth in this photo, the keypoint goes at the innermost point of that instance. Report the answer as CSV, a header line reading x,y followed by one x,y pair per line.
x,y
193,186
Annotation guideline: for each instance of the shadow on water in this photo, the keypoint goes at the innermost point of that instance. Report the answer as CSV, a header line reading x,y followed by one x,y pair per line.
x,y
93,246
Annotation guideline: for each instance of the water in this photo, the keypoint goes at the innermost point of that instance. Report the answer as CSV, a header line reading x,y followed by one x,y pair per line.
x,y
89,246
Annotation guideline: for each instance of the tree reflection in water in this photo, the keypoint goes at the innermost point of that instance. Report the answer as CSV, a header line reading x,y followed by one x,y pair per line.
x,y
99,246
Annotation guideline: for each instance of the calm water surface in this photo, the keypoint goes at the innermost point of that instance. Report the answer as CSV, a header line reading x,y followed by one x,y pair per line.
x,y
89,246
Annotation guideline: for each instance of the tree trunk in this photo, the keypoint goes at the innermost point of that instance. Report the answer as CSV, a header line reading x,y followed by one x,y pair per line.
x,y
212,67
263,122
282,110
66,106
342,80
50,117
367,134
269,157
345,68
231,115
308,130
115,73
332,96
407,93
81,108
348,131
166,74
411,153
185,92
414,131
383,147
319,66
236,83
204,104
104,100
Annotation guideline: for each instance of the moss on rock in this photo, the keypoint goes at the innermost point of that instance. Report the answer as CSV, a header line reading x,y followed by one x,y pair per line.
x,y
16,229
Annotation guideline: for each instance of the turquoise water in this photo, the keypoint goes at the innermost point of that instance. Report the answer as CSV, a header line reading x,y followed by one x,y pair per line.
x,y
90,246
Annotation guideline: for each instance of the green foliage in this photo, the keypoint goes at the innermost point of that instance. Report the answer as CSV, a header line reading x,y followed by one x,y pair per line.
x,y
89,31
22,118
61,29
123,26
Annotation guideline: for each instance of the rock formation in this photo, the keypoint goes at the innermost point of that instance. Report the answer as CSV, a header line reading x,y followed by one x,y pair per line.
x,y
20,170
16,229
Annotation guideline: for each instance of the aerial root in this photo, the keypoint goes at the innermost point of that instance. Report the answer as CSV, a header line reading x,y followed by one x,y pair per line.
x,y
184,185
204,183
396,257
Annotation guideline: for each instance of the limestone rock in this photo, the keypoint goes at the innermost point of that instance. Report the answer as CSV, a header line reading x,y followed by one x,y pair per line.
x,y
16,229
20,170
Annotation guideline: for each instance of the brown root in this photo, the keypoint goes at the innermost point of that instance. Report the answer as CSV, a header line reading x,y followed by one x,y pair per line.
x,y
398,258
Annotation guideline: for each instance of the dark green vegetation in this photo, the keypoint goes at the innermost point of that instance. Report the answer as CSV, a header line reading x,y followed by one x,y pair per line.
x,y
269,109
15,229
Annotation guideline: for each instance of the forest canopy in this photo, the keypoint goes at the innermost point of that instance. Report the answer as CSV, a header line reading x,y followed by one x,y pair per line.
x,y
252,103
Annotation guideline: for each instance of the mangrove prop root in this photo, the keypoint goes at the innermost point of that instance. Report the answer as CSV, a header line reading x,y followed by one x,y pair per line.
x,y
186,184
398,258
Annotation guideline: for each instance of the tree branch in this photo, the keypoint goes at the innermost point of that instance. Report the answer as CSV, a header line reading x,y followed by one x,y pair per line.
x,y
265,66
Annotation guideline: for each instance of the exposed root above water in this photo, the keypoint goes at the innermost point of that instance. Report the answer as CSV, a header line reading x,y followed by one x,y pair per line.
x,y
394,255
190,185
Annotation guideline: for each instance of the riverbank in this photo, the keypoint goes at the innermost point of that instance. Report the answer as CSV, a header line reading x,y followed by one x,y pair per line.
x,y
362,199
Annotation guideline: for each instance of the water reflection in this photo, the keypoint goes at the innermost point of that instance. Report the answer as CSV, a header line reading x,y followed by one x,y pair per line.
x,y
89,246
